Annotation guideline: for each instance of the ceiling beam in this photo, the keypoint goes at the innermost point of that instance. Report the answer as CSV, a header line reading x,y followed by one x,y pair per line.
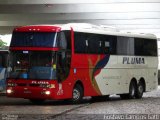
x,y
108,22
114,25
82,16
74,1
78,8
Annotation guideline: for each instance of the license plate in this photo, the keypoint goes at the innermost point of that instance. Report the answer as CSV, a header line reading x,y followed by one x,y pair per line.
x,y
27,92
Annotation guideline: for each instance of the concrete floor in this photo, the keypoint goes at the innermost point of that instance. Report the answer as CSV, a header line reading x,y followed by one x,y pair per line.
x,y
11,108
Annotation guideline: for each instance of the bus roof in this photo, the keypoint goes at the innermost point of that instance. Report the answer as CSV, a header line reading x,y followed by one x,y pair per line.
x,y
102,29
84,27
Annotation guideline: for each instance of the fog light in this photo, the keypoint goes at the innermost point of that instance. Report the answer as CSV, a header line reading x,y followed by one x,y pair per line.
x,y
53,86
9,91
47,92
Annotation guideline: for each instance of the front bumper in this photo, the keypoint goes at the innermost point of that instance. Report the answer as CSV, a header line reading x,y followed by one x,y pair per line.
x,y
32,89
31,93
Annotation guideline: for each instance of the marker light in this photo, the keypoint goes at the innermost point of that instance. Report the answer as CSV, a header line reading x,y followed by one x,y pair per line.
x,y
47,92
9,91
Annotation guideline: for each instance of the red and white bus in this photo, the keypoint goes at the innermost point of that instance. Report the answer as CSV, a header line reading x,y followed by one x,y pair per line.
x,y
71,61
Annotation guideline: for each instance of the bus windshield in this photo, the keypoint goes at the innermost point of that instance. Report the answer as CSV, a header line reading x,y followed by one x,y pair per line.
x,y
33,65
33,39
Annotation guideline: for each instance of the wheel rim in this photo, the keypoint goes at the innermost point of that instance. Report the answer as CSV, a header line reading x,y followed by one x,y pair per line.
x,y
132,91
140,89
76,94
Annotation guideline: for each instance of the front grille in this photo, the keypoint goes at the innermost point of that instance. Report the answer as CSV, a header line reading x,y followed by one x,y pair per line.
x,y
25,84
21,84
34,85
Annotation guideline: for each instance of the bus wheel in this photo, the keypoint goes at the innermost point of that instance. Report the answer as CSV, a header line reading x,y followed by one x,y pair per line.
x,y
77,94
132,90
140,90
37,101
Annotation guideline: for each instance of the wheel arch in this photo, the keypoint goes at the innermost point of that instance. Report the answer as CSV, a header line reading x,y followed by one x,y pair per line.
x,y
79,82
134,80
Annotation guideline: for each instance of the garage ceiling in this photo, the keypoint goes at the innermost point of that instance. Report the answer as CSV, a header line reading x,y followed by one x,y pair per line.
x,y
129,15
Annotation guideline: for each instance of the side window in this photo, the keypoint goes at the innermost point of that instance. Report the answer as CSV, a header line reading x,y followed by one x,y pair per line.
x,y
105,46
112,43
131,46
150,46
80,42
63,64
125,45
61,40
68,38
145,47
122,45
139,46
94,43
102,44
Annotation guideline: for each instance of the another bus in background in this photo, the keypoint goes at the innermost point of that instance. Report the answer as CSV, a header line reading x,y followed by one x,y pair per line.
x,y
3,69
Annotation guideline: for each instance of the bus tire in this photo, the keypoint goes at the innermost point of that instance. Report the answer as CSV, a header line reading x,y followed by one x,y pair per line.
x,y
77,94
37,101
140,90
132,90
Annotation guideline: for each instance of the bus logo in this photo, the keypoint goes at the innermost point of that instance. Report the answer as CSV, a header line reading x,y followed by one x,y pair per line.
x,y
133,60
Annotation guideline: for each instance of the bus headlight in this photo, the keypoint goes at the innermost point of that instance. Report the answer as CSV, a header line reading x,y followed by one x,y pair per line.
x,y
47,92
9,91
